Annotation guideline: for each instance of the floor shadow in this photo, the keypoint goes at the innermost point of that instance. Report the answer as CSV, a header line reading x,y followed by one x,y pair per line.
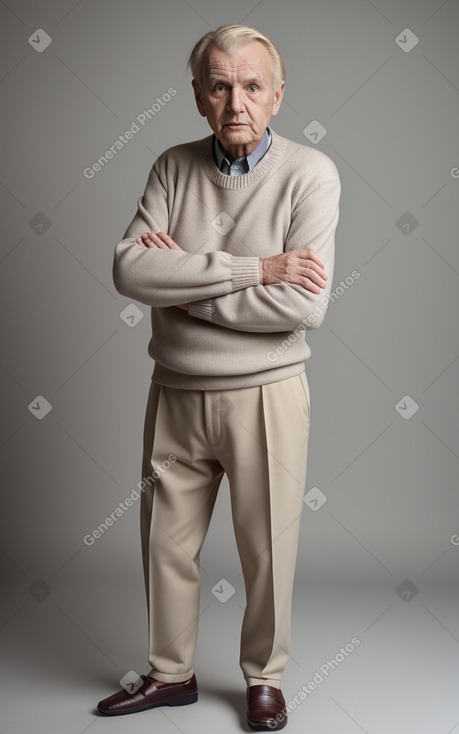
x,y
234,699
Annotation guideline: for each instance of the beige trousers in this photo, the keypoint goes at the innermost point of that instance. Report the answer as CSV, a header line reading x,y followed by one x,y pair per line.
x,y
258,436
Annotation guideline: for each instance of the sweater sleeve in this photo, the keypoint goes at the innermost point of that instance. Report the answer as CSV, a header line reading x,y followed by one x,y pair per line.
x,y
283,306
162,278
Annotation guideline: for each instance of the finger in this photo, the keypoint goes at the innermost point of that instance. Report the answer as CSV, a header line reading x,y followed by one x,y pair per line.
x,y
312,256
144,239
308,258
316,277
312,269
311,286
168,241
315,257
165,238
318,266
157,241
144,242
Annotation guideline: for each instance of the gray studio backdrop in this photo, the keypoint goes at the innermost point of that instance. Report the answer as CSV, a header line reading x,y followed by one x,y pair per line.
x,y
375,85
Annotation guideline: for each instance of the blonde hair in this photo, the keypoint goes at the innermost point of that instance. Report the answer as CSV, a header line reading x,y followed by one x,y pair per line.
x,y
227,36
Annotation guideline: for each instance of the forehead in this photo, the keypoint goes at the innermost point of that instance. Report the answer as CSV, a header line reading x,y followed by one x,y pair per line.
x,y
251,59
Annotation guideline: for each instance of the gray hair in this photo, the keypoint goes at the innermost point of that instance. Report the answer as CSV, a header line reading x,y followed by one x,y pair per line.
x,y
227,36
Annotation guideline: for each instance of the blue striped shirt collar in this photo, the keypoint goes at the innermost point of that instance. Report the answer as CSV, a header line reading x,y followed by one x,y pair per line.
x,y
244,164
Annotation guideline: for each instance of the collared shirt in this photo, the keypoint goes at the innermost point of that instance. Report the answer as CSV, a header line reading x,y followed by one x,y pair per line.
x,y
244,164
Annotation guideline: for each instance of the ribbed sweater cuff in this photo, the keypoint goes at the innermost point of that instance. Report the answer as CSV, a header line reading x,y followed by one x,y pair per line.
x,y
244,272
201,309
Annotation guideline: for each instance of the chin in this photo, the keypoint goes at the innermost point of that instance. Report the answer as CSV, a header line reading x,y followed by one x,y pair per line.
x,y
243,134
237,137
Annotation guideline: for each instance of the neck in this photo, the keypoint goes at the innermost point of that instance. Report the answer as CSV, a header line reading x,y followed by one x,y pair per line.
x,y
240,150
262,168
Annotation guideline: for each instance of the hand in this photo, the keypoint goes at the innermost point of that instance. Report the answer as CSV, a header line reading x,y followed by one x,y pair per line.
x,y
302,267
160,240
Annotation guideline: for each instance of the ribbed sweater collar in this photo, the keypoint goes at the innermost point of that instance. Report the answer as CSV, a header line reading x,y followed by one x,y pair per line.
x,y
269,160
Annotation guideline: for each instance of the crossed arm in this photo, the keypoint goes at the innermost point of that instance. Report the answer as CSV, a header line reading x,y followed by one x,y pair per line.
x,y
301,267
249,294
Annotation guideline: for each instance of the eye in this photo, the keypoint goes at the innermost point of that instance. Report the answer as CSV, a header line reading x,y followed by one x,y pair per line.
x,y
253,88
219,87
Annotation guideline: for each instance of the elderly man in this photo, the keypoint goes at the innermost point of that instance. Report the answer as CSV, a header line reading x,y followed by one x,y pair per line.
x,y
232,246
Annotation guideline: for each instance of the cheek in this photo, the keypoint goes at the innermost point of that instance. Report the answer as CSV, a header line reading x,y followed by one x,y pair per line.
x,y
215,108
265,113
258,108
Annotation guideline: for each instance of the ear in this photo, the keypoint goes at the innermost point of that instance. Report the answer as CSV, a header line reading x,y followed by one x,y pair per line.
x,y
278,96
198,98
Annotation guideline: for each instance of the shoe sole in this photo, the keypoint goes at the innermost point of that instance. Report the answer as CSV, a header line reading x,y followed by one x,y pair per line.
x,y
262,726
178,702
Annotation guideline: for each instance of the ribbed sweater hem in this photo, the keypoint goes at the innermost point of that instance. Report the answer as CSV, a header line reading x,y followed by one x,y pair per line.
x,y
165,376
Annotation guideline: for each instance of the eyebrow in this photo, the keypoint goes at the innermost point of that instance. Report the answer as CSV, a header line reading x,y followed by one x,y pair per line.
x,y
216,78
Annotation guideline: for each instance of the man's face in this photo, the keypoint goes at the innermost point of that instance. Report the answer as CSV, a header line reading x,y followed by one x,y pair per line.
x,y
238,96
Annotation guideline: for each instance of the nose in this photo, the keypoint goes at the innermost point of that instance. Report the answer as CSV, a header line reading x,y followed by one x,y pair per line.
x,y
236,101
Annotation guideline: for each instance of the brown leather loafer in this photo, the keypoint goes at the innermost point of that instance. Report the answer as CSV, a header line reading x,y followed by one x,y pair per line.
x,y
266,708
149,696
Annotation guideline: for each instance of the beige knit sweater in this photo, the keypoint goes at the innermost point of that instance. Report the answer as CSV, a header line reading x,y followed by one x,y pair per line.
x,y
237,333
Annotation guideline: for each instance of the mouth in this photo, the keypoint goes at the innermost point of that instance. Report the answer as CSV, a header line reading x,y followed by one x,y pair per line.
x,y
235,125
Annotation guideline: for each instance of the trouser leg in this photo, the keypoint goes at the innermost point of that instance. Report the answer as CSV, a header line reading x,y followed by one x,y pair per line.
x,y
263,448
175,513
